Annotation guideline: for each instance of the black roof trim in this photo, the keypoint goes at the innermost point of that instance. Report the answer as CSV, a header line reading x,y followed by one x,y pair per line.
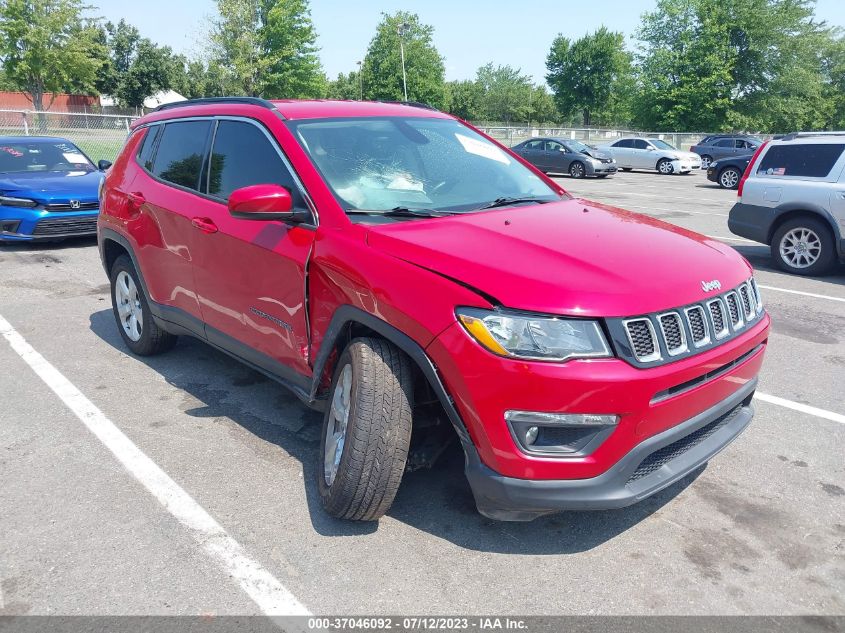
x,y
256,101
414,104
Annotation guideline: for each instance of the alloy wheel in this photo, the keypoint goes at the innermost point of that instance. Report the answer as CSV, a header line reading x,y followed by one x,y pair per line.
x,y
705,162
129,306
338,422
729,178
665,167
576,170
800,247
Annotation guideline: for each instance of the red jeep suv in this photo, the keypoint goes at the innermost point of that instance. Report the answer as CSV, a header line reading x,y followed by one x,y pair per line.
x,y
415,280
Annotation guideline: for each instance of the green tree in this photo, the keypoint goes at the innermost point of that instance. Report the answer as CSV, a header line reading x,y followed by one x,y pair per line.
x,y
47,46
345,87
542,107
584,74
506,93
465,99
382,68
732,64
268,48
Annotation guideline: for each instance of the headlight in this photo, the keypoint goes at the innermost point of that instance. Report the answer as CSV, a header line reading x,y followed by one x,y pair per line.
x,y
6,201
534,337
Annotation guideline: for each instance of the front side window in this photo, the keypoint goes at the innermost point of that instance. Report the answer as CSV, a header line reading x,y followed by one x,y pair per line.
x,y
55,156
242,156
180,153
379,164
640,144
554,146
809,160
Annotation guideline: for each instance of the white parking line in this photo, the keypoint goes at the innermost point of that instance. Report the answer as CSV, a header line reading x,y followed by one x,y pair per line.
x,y
259,584
803,408
731,239
802,293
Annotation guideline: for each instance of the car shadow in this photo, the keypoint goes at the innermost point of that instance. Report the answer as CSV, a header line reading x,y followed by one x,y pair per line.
x,y
759,256
86,241
437,501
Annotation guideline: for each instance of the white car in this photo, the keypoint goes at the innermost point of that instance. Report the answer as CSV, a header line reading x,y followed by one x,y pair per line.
x,y
792,197
651,153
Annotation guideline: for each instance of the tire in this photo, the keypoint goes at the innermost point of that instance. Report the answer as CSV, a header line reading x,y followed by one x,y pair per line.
x,y
128,300
818,254
359,478
705,161
664,166
577,169
729,178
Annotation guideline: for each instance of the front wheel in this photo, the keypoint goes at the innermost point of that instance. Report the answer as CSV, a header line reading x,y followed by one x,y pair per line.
x,y
366,430
577,170
803,246
664,166
729,178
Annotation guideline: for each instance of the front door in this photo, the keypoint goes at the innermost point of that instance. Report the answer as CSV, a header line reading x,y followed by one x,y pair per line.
x,y
250,274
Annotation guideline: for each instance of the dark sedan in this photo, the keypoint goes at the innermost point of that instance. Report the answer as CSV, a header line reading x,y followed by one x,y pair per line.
x,y
566,156
728,171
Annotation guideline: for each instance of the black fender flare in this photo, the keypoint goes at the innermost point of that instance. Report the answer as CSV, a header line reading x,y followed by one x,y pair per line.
x,y
346,315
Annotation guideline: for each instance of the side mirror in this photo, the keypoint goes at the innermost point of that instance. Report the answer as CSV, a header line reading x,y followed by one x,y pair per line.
x,y
103,164
264,202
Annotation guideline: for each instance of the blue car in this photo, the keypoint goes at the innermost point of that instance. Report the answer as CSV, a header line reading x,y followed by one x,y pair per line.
x,y
48,189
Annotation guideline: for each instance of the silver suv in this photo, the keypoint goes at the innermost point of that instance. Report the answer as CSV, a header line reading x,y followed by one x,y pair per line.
x,y
792,197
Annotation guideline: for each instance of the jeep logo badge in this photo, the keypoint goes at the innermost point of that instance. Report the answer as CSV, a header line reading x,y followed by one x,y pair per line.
x,y
707,286
74,204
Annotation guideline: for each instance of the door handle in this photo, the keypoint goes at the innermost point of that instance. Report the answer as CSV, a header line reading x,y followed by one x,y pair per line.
x,y
204,224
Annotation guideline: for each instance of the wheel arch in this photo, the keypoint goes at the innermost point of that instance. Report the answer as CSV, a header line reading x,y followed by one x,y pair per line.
x,y
112,245
349,322
792,211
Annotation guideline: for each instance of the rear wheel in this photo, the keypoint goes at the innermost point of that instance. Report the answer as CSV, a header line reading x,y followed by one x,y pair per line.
x,y
135,322
729,178
366,430
705,161
577,169
803,246
664,166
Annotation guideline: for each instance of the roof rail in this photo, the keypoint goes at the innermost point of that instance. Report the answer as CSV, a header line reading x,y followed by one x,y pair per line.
x,y
262,103
414,104
794,135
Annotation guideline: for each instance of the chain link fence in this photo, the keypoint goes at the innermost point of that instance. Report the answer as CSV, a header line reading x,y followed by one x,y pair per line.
x,y
98,135
514,134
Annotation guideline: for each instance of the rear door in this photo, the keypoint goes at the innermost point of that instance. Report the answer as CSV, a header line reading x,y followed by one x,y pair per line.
x,y
250,274
621,151
166,196
532,151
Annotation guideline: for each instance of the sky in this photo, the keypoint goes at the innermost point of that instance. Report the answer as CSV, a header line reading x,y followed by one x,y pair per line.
x,y
467,34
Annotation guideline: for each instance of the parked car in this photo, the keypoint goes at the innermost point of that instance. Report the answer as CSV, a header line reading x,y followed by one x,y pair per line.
x,y
651,153
792,197
566,156
398,270
48,189
713,148
727,172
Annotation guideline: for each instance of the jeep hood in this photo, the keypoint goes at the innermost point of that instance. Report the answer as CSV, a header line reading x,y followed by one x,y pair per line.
x,y
570,257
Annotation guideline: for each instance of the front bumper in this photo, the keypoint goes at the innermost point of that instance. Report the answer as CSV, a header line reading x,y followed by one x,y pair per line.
x,y
27,225
649,467
601,168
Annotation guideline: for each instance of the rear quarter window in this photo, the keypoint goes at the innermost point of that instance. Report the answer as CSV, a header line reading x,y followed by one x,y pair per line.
x,y
809,160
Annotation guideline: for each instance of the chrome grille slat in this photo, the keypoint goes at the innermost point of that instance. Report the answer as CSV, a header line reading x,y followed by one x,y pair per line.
x,y
734,309
745,295
718,318
673,332
643,340
698,326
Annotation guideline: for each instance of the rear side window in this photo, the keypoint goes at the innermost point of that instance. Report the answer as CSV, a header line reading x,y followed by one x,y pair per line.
x,y
534,145
811,161
145,154
242,156
180,153
624,143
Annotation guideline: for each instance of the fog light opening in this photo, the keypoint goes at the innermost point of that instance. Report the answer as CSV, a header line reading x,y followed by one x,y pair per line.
x,y
559,434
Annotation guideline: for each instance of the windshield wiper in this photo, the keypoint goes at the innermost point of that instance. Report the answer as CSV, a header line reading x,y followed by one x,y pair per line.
x,y
403,212
504,202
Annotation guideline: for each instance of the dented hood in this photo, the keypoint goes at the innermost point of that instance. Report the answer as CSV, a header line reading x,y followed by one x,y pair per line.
x,y
570,257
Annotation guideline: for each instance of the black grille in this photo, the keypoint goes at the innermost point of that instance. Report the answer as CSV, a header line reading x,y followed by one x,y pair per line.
x,y
672,333
662,456
733,308
66,226
718,316
641,338
697,325
64,206
746,300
